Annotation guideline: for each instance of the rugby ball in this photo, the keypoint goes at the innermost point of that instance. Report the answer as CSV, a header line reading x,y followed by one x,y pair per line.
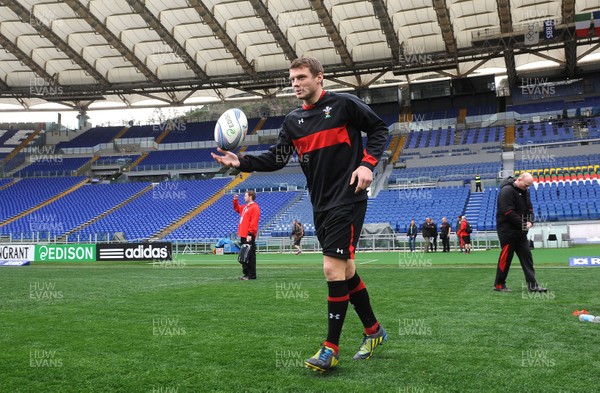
x,y
231,129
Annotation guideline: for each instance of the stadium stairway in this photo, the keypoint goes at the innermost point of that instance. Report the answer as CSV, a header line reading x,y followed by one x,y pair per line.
x,y
87,166
462,116
259,125
164,134
121,133
14,181
396,146
138,160
194,212
474,207
509,136
406,115
394,142
109,211
25,142
46,202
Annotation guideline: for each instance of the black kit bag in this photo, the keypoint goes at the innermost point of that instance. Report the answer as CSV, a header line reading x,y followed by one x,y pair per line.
x,y
244,254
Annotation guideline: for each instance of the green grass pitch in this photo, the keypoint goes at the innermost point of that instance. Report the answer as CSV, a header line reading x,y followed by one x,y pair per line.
x,y
191,326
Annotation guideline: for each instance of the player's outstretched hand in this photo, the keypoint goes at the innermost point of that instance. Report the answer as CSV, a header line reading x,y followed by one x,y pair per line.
x,y
226,158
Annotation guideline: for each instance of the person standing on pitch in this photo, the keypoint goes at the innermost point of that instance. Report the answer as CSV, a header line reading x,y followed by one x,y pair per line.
x,y
465,234
514,218
248,230
412,235
326,135
297,235
427,232
445,235
459,241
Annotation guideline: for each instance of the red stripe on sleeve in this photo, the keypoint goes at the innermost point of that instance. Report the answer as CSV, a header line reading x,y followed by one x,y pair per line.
x,y
369,158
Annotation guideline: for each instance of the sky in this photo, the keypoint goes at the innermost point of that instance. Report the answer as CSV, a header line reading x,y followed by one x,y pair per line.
x,y
97,117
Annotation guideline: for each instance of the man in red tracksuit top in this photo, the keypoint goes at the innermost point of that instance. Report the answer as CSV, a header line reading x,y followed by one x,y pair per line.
x,y
464,236
248,230
325,133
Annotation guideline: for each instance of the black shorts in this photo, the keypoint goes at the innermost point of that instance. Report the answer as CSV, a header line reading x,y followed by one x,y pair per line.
x,y
296,240
467,239
338,229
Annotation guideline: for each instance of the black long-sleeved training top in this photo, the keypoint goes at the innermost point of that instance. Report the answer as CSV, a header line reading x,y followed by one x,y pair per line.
x,y
514,209
327,138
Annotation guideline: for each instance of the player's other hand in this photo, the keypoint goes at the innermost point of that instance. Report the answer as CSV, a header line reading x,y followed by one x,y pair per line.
x,y
226,158
363,177
235,197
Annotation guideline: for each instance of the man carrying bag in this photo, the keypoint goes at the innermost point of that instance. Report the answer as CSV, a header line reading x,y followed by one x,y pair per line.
x,y
247,231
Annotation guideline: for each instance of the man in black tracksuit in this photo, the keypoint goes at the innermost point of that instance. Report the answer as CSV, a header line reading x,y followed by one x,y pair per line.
x,y
325,133
445,234
514,217
428,229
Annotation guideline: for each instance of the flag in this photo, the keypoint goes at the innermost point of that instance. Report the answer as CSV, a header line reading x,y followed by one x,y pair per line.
x,y
549,29
596,23
582,24
532,36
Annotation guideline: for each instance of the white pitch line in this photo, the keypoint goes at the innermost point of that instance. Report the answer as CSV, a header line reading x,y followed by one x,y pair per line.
x,y
369,261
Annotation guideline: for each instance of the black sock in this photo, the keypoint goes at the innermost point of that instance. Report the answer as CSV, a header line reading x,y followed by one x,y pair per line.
x,y
359,297
337,304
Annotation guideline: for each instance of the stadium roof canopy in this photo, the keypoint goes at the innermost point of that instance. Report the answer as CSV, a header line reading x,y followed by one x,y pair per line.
x,y
86,53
